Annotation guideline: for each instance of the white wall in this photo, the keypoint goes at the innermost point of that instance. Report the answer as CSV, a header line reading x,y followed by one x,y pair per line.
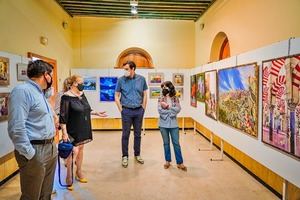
x,y
6,145
151,110
279,162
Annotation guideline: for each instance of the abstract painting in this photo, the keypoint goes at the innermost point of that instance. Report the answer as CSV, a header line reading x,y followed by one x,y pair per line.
x,y
211,94
107,88
89,83
281,104
4,71
193,91
200,87
178,79
238,98
154,92
4,106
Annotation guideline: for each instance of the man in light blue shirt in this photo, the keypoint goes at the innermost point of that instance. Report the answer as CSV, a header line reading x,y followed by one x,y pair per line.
x,y
131,99
31,129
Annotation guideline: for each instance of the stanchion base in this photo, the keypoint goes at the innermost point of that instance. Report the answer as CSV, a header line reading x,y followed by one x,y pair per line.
x,y
216,159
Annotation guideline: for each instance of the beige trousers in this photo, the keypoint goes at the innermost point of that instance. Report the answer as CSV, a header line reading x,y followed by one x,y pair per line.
x,y
37,174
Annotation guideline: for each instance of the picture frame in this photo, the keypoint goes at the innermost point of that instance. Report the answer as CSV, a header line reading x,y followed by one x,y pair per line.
x,y
107,88
4,106
22,72
193,88
154,92
4,71
200,95
178,79
179,92
89,83
211,94
238,97
155,79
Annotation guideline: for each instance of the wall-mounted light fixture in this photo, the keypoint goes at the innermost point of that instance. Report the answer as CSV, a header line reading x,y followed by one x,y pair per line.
x,y
65,24
201,26
44,40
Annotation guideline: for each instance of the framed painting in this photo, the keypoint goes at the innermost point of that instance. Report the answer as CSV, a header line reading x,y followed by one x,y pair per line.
x,y
4,106
22,72
4,71
210,89
200,95
280,104
154,92
107,88
179,92
193,91
178,79
89,83
155,79
238,97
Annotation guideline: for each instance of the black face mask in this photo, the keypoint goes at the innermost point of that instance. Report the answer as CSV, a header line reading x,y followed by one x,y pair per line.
x,y
165,91
80,87
49,84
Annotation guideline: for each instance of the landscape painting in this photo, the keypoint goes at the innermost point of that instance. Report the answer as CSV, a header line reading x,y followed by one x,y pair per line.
x,y
238,98
280,104
193,91
200,87
89,83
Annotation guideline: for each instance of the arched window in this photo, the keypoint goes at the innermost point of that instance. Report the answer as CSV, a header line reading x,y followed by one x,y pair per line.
x,y
139,56
220,48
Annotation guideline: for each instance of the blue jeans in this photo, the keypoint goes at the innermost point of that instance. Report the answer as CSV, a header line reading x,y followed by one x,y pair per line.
x,y
174,132
132,117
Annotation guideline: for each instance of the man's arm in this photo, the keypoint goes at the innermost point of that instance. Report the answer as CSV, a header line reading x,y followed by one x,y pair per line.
x,y
117,100
145,99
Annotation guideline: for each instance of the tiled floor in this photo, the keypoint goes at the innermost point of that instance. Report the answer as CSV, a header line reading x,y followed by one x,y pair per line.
x,y
204,180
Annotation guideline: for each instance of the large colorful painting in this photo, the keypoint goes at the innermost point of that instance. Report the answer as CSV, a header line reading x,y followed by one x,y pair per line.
x,y
280,101
4,71
107,88
238,97
211,94
4,106
89,83
193,91
200,87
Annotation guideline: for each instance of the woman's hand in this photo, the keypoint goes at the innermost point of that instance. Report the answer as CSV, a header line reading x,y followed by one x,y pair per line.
x,y
164,105
65,137
101,114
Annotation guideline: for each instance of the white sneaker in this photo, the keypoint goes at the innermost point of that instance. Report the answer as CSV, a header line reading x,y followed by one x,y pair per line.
x,y
139,159
125,161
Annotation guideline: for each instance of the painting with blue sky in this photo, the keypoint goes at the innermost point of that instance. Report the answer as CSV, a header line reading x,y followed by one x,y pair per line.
x,y
238,97
89,83
107,88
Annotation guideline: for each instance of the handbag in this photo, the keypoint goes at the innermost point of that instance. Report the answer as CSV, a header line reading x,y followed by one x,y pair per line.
x,y
64,151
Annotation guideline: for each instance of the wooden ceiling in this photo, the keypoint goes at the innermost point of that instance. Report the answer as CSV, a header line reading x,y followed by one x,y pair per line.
x,y
149,9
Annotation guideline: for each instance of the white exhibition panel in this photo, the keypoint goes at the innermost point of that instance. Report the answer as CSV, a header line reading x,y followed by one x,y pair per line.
x,y
151,110
6,146
281,163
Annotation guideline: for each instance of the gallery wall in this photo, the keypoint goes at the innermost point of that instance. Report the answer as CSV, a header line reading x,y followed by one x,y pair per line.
x,y
247,24
24,22
281,163
97,42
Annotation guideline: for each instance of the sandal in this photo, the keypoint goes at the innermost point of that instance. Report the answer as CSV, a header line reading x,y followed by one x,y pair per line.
x,y
182,167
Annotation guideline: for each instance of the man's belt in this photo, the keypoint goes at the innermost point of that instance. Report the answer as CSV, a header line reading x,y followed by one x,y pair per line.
x,y
41,142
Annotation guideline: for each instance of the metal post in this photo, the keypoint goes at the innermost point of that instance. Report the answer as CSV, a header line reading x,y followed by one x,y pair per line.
x,y
210,144
183,131
222,153
144,132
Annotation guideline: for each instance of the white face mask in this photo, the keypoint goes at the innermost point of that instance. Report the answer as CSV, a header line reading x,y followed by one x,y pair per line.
x,y
126,73
49,92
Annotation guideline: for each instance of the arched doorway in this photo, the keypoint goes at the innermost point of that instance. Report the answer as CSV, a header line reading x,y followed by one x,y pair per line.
x,y
220,48
139,56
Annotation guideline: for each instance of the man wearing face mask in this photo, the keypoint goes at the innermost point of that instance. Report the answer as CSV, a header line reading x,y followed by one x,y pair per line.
x,y
31,129
131,99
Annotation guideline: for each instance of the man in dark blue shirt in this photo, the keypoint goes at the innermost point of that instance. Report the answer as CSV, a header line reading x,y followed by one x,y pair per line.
x,y
131,99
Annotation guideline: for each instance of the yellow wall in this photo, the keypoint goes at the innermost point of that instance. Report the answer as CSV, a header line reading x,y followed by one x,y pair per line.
x,y
248,25
24,21
99,41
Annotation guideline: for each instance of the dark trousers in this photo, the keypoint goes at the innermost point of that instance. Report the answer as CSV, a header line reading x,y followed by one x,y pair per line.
x,y
37,174
132,117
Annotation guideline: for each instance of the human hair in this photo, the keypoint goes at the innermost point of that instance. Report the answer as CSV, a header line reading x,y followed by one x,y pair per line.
x,y
131,65
169,84
66,84
72,79
37,68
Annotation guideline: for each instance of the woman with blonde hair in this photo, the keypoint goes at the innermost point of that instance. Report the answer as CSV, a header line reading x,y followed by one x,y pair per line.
x,y
75,120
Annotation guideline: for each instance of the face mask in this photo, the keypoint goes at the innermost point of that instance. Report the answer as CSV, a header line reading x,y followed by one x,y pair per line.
x,y
165,91
126,73
48,83
80,87
49,92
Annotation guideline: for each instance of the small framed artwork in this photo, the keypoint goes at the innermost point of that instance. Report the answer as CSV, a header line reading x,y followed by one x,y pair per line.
x,y
193,91
154,92
179,92
200,95
4,106
178,79
89,83
22,72
107,88
4,71
155,79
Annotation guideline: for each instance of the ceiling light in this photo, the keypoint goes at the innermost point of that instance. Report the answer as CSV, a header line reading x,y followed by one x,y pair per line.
x,y
134,3
134,10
